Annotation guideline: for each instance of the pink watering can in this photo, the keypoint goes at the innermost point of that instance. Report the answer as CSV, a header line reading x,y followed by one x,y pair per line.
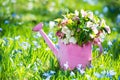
x,y
70,55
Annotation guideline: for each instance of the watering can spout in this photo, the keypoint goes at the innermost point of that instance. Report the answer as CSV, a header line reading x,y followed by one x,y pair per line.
x,y
38,28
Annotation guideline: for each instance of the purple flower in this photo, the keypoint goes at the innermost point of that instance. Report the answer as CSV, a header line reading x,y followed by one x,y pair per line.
x,y
118,18
80,69
38,35
101,15
7,22
96,12
17,51
46,74
110,43
6,41
90,66
36,45
105,9
1,29
66,66
119,78
110,73
13,15
52,72
98,75
50,35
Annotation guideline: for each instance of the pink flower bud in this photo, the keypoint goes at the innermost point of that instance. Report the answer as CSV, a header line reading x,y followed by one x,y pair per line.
x,y
59,34
64,22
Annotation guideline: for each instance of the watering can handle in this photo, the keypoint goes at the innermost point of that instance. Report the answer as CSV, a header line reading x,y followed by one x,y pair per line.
x,y
97,42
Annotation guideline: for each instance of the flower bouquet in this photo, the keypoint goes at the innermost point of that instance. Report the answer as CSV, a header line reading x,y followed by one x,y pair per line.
x,y
81,27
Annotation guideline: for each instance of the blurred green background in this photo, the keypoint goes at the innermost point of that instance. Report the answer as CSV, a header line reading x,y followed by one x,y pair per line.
x,y
19,12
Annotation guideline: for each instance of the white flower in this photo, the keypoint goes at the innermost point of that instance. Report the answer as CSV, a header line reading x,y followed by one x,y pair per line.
x,y
98,75
68,36
88,77
84,13
72,40
48,78
17,37
51,24
30,6
82,71
65,30
102,36
103,72
52,72
25,45
111,73
72,73
79,66
66,65
89,24
92,35
36,45
90,15
95,30
65,40
37,35
95,25
109,43
47,49
72,33
46,74
76,13
13,1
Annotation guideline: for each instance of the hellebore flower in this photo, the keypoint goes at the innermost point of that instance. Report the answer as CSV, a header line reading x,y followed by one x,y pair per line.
x,y
65,30
59,34
84,13
76,13
72,40
65,41
90,15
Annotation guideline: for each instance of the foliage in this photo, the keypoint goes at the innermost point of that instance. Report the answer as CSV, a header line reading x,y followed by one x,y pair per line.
x,y
81,27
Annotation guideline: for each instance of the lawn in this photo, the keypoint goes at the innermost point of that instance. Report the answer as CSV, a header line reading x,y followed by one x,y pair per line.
x,y
24,55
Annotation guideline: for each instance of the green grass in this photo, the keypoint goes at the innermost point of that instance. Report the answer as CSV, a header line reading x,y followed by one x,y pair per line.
x,y
32,63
